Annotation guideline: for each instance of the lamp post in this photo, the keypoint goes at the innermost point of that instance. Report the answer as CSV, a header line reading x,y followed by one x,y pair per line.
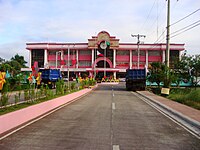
x,y
138,48
57,58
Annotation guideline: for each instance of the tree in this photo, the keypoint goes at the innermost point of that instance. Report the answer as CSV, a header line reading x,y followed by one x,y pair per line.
x,y
160,73
182,69
156,73
2,60
19,59
14,68
195,66
189,67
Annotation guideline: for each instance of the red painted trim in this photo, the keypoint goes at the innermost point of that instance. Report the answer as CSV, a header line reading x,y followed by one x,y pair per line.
x,y
84,57
102,58
125,58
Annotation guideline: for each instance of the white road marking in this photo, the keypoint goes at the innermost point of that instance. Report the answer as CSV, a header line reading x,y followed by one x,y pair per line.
x,y
116,147
113,106
113,92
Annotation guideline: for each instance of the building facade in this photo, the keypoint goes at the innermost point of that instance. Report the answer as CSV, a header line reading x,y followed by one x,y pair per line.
x,y
103,55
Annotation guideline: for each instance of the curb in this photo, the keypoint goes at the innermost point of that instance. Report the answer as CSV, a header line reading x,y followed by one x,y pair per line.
x,y
189,123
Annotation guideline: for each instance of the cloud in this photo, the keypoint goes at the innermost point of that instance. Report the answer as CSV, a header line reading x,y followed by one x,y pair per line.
x,y
24,21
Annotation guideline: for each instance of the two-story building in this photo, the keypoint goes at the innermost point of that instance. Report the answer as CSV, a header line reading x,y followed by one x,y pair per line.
x,y
102,54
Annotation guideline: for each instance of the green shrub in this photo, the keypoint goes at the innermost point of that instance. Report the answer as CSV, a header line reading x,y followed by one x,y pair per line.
x,y
26,95
73,85
4,99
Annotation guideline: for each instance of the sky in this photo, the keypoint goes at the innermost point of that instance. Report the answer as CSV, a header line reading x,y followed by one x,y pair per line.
x,y
23,21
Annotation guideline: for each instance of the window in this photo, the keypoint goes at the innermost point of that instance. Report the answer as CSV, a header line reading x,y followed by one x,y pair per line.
x,y
154,53
52,52
85,52
72,52
38,55
85,63
126,52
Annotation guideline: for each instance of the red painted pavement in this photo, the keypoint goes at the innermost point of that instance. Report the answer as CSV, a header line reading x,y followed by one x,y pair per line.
x,y
19,117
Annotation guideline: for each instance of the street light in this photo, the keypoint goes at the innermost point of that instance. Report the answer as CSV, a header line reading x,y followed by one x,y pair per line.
x,y
57,58
138,48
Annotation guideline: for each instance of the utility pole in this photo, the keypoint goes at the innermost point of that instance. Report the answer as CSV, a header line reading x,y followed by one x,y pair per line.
x,y
167,37
138,47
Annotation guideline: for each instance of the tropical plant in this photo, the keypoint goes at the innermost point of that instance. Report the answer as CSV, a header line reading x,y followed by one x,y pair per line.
x,y
157,73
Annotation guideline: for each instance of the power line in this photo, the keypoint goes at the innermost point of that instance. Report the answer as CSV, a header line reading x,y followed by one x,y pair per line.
x,y
186,30
185,17
154,22
185,27
148,15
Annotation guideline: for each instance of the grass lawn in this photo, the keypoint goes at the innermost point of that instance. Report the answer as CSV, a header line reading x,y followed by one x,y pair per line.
x,y
187,96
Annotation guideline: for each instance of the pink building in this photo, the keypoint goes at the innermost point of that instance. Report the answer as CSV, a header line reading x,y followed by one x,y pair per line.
x,y
102,55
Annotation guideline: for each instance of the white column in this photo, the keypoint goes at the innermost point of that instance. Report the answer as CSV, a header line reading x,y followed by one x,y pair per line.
x,y
92,56
114,58
131,59
147,58
115,75
114,62
45,58
163,56
30,58
76,58
61,57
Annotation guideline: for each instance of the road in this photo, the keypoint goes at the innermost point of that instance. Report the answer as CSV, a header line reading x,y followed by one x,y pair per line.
x,y
109,118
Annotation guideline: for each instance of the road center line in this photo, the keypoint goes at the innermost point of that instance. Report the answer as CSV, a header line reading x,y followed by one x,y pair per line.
x,y
113,106
116,147
113,93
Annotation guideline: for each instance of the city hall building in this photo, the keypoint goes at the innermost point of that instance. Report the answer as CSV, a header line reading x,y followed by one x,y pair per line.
x,y
101,55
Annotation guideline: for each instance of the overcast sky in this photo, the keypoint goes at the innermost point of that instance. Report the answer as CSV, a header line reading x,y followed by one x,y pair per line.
x,y
23,21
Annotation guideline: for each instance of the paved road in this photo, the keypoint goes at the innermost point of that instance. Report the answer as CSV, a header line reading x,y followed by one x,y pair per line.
x,y
109,118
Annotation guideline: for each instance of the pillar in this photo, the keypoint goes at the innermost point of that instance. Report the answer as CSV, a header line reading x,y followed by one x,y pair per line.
x,y
92,56
76,58
61,57
114,62
163,56
147,58
30,58
114,58
45,59
131,59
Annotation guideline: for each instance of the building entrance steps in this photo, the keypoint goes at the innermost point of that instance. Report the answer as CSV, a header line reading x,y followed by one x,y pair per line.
x,y
180,112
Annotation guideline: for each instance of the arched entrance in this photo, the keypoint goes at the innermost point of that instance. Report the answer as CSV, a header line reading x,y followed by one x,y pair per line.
x,y
102,59
101,67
